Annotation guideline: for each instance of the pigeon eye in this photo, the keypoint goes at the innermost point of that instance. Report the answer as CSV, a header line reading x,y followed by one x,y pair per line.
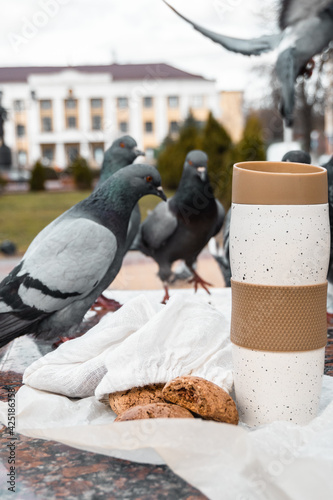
x,y
122,144
190,162
149,178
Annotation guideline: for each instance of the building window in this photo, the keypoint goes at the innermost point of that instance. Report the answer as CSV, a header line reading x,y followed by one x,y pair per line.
x,y
22,158
71,103
197,101
71,113
71,122
123,127
45,104
149,154
122,102
20,130
147,102
96,122
149,127
72,152
96,114
46,124
98,153
173,101
96,103
48,152
174,127
19,105
46,115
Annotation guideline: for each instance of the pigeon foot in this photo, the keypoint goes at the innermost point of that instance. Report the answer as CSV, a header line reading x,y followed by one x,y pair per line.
x,y
106,304
61,340
196,280
166,294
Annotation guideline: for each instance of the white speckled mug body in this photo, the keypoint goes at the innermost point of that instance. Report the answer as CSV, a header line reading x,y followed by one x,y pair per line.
x,y
279,245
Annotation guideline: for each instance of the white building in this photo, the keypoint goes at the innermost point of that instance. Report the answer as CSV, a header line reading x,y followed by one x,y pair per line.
x,y
56,113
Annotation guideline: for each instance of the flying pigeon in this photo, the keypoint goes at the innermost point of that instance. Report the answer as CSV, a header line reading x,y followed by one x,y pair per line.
x,y
306,30
221,255
73,259
122,152
180,228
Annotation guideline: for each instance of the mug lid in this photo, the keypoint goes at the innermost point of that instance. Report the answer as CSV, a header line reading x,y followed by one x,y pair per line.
x,y
278,183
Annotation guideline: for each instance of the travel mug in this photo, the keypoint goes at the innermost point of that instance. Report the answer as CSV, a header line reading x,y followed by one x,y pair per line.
x,y
279,254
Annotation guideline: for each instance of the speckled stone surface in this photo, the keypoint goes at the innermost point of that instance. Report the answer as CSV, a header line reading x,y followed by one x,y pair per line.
x,y
48,469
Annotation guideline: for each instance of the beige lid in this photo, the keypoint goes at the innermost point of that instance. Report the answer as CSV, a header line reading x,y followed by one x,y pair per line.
x,y
278,183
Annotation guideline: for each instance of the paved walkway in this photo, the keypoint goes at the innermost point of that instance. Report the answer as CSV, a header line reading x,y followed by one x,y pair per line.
x,y
139,272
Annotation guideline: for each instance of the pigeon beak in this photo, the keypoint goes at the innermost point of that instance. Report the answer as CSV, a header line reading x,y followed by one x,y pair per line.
x,y
161,193
202,173
139,153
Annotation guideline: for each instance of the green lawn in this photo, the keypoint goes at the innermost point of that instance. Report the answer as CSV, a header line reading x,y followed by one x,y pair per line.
x,y
23,216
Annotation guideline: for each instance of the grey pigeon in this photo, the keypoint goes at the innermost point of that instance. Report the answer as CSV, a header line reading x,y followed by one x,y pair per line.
x,y
329,168
180,228
73,259
222,256
297,156
120,154
306,30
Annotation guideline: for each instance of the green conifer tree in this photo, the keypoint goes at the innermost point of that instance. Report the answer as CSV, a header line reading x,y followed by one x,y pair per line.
x,y
172,156
37,179
82,174
217,143
251,147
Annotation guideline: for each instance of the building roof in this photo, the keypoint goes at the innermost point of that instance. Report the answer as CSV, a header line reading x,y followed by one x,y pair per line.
x,y
118,71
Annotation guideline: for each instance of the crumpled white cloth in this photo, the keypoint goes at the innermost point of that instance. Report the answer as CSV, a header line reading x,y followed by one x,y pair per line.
x,y
278,461
142,343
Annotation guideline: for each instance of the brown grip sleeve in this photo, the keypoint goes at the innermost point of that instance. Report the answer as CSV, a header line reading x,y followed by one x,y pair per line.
x,y
278,318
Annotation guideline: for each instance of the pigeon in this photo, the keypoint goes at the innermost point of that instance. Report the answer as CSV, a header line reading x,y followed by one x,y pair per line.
x,y
306,29
329,168
122,152
180,228
297,156
222,256
73,259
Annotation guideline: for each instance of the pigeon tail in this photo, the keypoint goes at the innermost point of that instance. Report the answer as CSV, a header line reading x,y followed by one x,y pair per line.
x,y
11,327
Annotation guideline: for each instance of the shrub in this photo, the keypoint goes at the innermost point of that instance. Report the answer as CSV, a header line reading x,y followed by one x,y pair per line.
x,y
37,179
82,174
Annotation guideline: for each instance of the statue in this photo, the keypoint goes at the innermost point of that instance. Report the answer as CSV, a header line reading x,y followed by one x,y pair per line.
x,y
5,153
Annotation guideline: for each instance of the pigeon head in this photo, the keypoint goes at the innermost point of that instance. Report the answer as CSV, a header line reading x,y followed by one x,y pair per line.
x,y
142,179
125,148
196,163
297,156
122,152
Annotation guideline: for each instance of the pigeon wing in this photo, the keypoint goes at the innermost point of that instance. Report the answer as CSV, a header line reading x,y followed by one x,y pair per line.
x,y
254,46
220,217
293,11
160,224
66,266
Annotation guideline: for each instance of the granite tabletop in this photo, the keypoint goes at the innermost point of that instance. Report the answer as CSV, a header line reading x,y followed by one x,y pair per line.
x,y
48,469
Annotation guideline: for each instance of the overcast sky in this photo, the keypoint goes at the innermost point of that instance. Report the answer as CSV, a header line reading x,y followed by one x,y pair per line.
x,y
71,32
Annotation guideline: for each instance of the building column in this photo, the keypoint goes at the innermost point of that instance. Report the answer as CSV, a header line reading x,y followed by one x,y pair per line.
x,y
60,156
